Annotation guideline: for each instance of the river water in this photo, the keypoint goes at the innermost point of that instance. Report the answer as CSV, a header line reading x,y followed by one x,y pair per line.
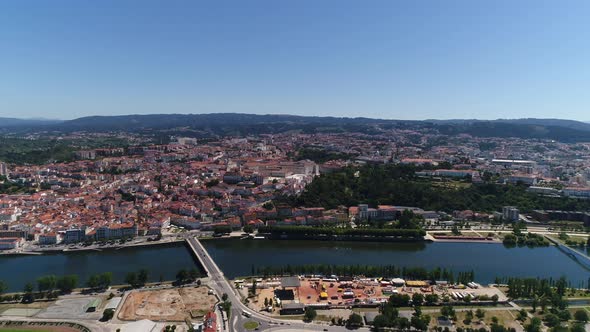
x,y
160,260
236,258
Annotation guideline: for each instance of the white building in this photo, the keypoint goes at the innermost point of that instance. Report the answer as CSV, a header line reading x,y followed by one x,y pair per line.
x,y
9,243
510,213
47,239
577,192
3,169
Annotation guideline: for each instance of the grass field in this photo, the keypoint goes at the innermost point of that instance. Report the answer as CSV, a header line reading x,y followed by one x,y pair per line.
x,y
250,325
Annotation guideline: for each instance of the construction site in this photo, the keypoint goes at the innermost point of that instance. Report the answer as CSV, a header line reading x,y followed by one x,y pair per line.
x,y
171,305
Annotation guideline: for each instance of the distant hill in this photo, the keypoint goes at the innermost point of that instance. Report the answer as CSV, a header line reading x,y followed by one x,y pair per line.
x,y
236,124
222,123
579,125
13,122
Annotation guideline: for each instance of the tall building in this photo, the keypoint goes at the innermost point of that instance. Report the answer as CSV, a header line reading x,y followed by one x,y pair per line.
x,y
510,213
3,169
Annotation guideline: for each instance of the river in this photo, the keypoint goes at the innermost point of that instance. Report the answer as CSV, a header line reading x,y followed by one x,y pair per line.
x,y
236,258
161,260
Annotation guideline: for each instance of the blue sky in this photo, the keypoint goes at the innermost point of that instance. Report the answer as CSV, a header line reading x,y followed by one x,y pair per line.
x,y
384,59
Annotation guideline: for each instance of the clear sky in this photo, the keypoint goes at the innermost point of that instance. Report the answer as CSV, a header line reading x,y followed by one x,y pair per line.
x,y
387,59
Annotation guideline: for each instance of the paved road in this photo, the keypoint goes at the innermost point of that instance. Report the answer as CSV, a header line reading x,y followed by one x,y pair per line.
x,y
237,319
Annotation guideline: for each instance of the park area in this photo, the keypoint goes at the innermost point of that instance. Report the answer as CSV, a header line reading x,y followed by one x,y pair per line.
x,y
167,304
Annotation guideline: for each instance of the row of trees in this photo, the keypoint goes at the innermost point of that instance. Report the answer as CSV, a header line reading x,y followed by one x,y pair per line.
x,y
521,239
184,276
48,285
344,232
387,271
531,287
100,280
137,279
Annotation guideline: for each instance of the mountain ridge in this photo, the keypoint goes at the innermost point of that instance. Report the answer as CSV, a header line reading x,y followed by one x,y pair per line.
x,y
240,124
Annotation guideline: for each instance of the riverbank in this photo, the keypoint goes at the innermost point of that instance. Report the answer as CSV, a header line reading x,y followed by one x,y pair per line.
x,y
162,262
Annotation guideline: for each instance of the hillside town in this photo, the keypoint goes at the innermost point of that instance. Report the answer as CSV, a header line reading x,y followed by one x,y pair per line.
x,y
144,190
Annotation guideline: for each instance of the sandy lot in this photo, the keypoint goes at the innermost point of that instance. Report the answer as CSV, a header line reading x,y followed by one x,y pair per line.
x,y
167,304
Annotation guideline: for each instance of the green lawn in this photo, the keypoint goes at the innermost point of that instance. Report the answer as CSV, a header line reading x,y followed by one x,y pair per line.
x,y
250,325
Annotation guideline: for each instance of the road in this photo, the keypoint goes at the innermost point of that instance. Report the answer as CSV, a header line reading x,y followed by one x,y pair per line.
x,y
237,319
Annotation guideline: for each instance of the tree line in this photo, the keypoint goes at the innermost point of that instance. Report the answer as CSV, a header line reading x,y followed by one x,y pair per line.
x,y
345,232
51,285
371,271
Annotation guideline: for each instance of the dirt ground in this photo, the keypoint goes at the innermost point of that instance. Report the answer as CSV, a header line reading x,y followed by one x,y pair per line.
x,y
167,304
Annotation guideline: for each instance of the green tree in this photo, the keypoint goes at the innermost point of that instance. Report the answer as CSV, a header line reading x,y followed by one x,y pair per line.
x,y
431,299
107,315
142,277
581,315
447,311
226,306
181,276
46,283
3,287
355,320
253,288
543,302
310,314
193,274
577,328
224,297
522,315
131,279
534,325
93,281
551,320
417,298
28,289
535,303
399,300
248,229
420,323
105,279
480,314
561,286
380,322
67,283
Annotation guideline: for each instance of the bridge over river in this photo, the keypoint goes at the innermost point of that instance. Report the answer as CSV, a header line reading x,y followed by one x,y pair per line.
x,y
221,285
